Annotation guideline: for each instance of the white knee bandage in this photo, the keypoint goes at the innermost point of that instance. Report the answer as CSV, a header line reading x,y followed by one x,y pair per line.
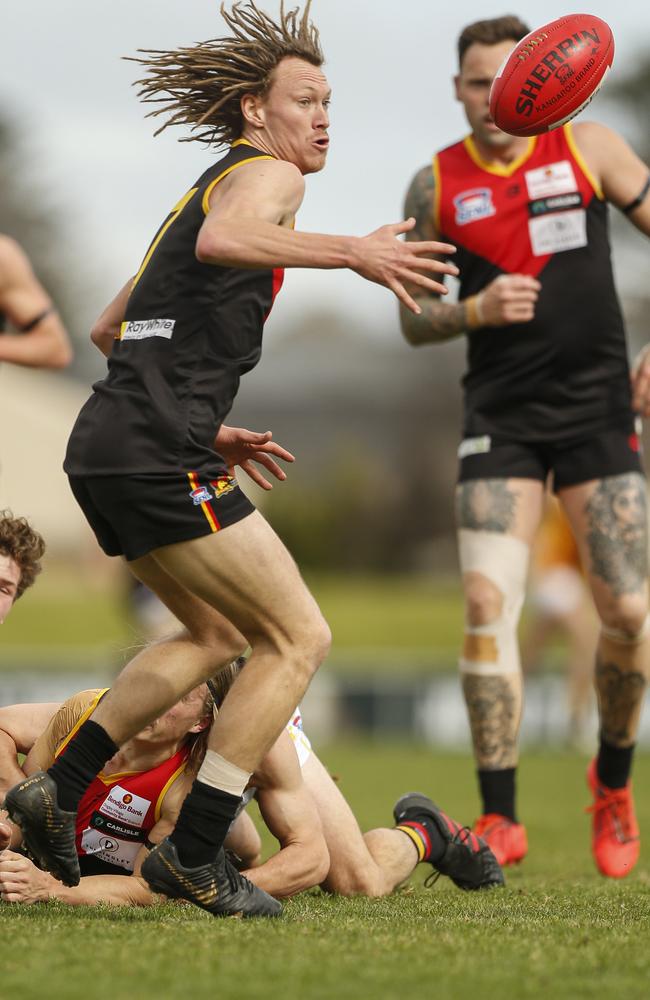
x,y
492,649
624,638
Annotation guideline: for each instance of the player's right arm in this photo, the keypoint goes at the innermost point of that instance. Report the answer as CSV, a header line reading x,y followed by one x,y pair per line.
x,y
291,816
510,298
250,222
20,727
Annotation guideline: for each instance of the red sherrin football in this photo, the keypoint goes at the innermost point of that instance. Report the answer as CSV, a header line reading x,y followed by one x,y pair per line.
x,y
551,74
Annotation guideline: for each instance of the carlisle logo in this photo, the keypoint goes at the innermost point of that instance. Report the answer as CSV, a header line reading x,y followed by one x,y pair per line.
x,y
473,205
200,495
223,485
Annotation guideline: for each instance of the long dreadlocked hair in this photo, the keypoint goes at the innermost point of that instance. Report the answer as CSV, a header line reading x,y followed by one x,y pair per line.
x,y
202,86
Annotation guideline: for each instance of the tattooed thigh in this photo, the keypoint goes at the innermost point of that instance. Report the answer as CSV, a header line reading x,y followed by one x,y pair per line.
x,y
486,505
616,532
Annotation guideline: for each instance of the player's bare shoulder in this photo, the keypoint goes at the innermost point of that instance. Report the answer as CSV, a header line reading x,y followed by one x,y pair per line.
x,y
419,204
267,186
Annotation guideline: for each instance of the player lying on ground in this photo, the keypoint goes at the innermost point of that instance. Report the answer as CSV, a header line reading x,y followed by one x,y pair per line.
x,y
133,803
320,840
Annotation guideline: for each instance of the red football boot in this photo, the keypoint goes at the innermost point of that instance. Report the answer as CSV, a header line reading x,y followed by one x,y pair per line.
x,y
615,831
507,839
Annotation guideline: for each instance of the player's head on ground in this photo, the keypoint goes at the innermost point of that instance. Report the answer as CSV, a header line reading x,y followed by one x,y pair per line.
x,y
21,551
187,722
482,47
264,83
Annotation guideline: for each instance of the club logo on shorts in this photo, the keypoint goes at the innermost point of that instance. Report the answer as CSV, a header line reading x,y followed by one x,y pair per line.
x,y
200,495
473,205
223,485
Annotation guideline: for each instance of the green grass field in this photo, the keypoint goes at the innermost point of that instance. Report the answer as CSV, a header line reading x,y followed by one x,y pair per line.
x,y
416,621
558,930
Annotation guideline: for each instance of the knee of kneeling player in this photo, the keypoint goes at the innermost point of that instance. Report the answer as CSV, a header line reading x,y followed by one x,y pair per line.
x,y
483,600
357,881
627,619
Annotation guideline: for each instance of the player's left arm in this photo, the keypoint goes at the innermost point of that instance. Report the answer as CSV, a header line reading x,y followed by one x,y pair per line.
x,y
623,177
621,174
289,812
22,882
41,340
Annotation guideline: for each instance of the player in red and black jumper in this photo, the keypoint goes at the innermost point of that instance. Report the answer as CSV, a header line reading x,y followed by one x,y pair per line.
x,y
149,456
547,392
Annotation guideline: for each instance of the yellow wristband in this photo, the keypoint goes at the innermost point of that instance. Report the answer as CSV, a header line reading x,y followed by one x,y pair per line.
x,y
473,313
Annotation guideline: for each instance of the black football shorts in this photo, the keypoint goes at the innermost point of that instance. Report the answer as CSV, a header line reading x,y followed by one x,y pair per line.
x,y
132,515
611,452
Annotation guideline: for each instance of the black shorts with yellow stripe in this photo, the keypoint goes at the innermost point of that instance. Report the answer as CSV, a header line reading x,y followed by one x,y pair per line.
x,y
133,515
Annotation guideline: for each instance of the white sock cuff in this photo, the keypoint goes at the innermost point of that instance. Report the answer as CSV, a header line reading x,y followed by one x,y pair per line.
x,y
218,772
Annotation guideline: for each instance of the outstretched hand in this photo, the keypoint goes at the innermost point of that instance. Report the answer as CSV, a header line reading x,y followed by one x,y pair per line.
x,y
384,258
241,447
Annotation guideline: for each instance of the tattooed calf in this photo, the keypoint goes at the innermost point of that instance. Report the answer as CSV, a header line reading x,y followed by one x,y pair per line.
x,y
493,709
619,693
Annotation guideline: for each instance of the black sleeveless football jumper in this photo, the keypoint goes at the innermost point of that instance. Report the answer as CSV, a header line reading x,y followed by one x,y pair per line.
x,y
190,331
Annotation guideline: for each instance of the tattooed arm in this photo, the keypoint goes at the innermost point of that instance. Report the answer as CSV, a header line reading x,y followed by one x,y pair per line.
x,y
508,298
438,320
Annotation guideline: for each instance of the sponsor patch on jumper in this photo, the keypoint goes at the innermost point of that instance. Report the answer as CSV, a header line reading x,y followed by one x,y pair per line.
x,y
555,178
123,805
558,231
110,849
473,205
558,203
223,485
141,329
475,446
200,495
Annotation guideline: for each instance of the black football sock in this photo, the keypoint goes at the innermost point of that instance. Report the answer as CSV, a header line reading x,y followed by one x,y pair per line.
x,y
614,764
498,792
429,842
80,762
203,823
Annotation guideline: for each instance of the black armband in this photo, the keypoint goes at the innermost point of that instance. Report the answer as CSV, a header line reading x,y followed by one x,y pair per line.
x,y
26,327
626,209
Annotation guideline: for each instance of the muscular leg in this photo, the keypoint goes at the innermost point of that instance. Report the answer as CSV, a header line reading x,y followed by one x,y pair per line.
x,y
164,671
246,572
371,864
609,519
497,519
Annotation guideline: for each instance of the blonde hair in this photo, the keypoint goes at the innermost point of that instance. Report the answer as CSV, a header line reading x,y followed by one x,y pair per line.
x,y
202,86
